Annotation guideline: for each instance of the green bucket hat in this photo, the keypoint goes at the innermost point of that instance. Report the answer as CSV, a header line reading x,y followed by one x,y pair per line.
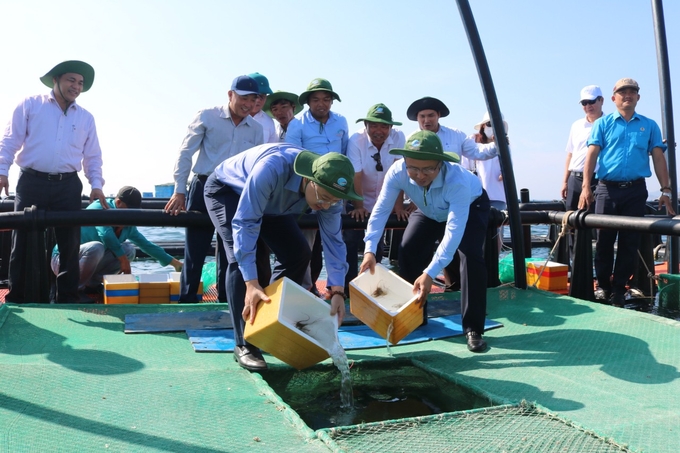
x,y
318,85
425,145
379,113
332,171
278,95
74,66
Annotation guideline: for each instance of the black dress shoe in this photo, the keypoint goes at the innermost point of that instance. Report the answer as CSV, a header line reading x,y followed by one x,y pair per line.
x,y
475,343
250,358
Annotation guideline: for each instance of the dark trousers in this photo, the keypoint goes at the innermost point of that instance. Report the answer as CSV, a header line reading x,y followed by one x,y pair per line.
x,y
281,233
197,243
415,253
613,200
574,188
64,195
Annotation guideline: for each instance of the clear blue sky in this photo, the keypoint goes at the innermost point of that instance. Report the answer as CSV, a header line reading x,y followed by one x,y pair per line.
x,y
158,62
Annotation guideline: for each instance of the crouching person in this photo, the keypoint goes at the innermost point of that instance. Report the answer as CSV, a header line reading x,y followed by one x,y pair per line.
x,y
105,250
260,193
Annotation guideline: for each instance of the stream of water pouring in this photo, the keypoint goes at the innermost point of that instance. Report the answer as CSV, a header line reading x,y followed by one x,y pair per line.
x,y
325,331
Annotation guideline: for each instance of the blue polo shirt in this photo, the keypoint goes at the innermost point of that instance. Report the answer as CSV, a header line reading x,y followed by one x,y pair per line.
x,y
265,179
625,146
320,138
448,199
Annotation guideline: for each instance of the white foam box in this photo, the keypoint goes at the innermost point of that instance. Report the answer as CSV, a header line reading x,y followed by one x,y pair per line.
x,y
154,289
278,323
174,278
384,299
121,289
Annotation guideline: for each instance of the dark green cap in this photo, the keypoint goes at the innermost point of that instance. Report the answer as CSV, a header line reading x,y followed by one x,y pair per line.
x,y
425,145
262,83
332,171
379,113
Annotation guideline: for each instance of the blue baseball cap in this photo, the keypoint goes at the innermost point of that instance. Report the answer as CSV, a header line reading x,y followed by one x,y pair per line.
x,y
262,83
244,85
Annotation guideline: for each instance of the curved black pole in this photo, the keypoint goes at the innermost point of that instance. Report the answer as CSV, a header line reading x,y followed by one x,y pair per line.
x,y
666,119
496,119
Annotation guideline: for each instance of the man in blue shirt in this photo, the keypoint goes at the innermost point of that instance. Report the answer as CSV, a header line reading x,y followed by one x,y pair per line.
x,y
621,144
321,131
452,208
260,193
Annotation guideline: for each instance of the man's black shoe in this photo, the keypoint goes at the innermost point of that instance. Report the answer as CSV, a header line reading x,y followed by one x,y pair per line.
x,y
602,296
250,358
618,300
475,343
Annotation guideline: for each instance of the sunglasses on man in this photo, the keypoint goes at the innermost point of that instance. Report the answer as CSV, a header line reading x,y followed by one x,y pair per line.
x,y
584,102
378,162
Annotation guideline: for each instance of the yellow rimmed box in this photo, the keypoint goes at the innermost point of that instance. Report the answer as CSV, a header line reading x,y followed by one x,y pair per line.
x,y
385,302
174,279
154,289
283,324
121,289
553,278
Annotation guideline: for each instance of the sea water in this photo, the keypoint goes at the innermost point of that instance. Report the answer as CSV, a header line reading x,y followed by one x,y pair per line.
x,y
325,332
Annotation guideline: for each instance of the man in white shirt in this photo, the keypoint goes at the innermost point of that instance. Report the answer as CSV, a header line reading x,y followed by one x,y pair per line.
x,y
216,134
268,127
369,152
427,111
282,106
577,148
57,139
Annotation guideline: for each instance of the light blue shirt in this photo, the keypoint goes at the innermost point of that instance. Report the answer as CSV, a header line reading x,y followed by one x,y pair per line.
x,y
448,199
312,135
265,179
625,146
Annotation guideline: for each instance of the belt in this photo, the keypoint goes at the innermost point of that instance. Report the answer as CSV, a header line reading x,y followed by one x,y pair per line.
x,y
202,178
623,184
49,176
577,174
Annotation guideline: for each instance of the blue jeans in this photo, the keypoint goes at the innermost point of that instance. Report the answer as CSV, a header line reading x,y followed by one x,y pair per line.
x,y
95,262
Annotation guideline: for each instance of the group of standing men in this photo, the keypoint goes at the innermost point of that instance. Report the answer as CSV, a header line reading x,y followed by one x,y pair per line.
x,y
607,163
254,178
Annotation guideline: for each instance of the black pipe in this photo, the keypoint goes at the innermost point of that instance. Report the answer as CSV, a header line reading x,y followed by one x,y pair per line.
x,y
667,119
148,217
649,224
504,151
526,230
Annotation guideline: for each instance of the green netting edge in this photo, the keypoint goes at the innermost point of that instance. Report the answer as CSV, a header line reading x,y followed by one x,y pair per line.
x,y
326,434
503,402
4,311
287,411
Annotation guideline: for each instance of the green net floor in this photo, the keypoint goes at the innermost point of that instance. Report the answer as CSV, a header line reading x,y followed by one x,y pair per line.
x,y
596,379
